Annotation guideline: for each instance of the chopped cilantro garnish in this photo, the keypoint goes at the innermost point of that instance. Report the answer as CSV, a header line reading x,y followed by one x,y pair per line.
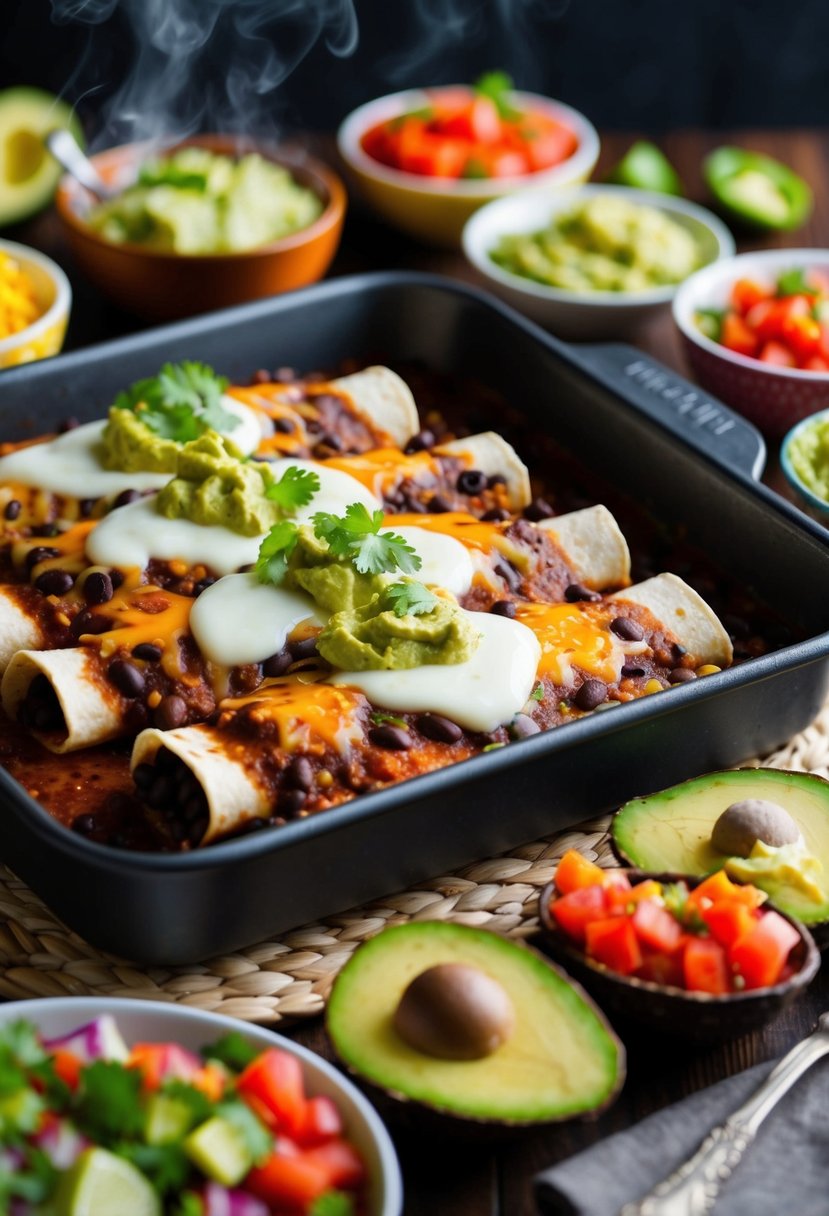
x,y
794,283
32,1179
379,718
537,693
166,1165
198,1104
408,599
188,1204
256,1136
108,1108
357,535
274,552
493,747
295,488
180,403
232,1050
497,86
333,1203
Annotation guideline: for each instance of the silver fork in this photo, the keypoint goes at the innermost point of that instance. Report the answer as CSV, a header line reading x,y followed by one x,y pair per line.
x,y
692,1189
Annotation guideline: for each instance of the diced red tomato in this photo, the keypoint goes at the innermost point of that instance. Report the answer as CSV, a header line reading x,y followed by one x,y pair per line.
x,y
158,1062
705,966
656,927
817,363
802,336
67,1066
575,871
547,144
760,956
777,354
274,1080
620,899
419,151
289,1181
710,891
737,336
729,921
746,293
576,910
321,1121
613,942
342,1161
662,968
477,121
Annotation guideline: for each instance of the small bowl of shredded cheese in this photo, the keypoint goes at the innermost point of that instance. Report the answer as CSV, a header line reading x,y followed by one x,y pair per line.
x,y
35,298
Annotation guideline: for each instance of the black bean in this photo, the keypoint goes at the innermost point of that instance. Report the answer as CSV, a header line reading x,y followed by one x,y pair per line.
x,y
495,515
54,582
46,530
504,608
202,585
178,830
277,664
497,479
13,508
509,574
166,760
437,504
147,652
522,726
591,694
284,426
126,497
47,717
250,828
628,629
303,649
576,593
126,677
413,504
86,506
681,675
420,442
630,669
197,831
84,824
87,622
291,801
538,509
261,376
285,375
160,790
299,774
170,712
68,424
395,738
116,578
441,729
39,554
313,426
194,807
471,481
143,775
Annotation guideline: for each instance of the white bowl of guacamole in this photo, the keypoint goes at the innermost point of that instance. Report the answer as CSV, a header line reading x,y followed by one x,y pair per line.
x,y
591,261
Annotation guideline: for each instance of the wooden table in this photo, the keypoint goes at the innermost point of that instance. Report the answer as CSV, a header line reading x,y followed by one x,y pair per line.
x,y
444,1177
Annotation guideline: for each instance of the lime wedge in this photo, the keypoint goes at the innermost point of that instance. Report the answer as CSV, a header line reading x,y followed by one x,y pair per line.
x,y
101,1184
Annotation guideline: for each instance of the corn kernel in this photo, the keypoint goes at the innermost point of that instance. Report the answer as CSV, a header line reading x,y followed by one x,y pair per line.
x,y
654,686
325,778
63,619
154,699
18,304
708,669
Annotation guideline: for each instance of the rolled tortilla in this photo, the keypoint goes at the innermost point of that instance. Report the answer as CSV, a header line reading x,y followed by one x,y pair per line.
x,y
594,545
19,627
685,613
93,711
491,454
385,399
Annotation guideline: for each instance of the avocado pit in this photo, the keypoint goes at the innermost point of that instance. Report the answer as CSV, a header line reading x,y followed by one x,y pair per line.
x,y
743,823
454,1011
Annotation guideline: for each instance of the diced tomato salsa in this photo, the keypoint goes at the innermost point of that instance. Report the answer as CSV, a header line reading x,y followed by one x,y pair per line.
x,y
784,324
464,133
713,938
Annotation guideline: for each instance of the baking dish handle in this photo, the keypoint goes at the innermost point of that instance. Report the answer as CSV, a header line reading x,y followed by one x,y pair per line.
x,y
684,409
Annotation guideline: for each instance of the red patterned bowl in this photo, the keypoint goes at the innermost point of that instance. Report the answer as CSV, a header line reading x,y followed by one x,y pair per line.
x,y
773,398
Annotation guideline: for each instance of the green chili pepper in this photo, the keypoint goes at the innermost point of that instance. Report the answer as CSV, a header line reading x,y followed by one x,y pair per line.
x,y
758,190
646,167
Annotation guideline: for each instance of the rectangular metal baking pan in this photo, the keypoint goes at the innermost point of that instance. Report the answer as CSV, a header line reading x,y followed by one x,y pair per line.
x,y
688,458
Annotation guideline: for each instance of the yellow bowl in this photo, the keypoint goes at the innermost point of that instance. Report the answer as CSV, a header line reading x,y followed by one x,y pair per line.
x,y
435,209
44,336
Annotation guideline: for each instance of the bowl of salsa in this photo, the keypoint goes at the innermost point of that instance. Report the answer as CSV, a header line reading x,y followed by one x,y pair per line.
x,y
425,159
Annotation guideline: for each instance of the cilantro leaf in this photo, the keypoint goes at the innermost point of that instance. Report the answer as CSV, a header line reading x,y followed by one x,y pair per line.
x,y
166,1165
180,403
188,1204
274,552
108,1105
197,1103
379,718
537,693
794,283
295,488
333,1203
233,1050
178,422
32,1180
356,535
409,599
497,86
256,1136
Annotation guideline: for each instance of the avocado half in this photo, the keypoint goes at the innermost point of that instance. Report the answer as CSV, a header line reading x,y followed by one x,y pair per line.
x,y
29,173
561,1060
671,830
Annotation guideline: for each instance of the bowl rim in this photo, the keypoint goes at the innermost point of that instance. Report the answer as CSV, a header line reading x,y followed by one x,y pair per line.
x,y
60,305
684,305
476,255
814,501
83,1008
332,214
390,105
631,983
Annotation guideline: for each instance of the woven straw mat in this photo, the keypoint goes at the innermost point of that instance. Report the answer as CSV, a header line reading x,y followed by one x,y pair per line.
x,y
290,977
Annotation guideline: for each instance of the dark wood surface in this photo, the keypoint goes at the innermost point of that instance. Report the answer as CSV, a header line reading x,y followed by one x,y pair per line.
x,y
444,1177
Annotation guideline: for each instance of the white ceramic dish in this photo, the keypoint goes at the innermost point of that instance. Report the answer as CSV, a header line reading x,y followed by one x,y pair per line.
x,y
148,1021
573,314
44,336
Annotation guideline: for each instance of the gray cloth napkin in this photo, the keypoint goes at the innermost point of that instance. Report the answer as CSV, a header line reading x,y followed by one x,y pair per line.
x,y
786,1170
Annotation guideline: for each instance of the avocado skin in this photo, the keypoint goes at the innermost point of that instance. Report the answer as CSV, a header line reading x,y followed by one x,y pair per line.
x,y
35,111
439,1115
671,830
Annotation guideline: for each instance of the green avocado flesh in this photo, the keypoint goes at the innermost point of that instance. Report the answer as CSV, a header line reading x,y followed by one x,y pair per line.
x,y
28,172
671,831
560,1060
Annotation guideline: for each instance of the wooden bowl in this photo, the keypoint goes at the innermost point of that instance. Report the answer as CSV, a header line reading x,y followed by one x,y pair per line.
x,y
160,285
696,1016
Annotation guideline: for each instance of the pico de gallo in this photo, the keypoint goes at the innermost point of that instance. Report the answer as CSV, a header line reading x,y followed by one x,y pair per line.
x,y
90,1127
785,323
475,132
713,938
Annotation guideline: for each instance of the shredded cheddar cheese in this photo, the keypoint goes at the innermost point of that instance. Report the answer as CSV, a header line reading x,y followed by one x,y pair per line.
x,y
573,635
18,301
309,715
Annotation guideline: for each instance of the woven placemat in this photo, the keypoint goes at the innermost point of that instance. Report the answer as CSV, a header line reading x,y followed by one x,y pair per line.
x,y
290,977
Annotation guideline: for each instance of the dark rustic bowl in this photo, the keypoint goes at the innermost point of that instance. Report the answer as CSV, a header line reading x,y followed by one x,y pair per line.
x,y
697,1016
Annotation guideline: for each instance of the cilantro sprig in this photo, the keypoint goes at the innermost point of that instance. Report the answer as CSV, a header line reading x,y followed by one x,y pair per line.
x,y
182,402
408,599
497,86
295,488
356,535
275,552
233,1050
795,283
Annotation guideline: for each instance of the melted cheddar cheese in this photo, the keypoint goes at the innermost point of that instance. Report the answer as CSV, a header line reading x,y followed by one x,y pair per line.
x,y
308,714
574,636
381,469
146,614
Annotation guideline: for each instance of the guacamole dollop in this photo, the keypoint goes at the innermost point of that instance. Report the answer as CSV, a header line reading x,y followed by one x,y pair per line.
x,y
130,446
809,456
606,244
373,637
331,581
214,486
196,201
788,867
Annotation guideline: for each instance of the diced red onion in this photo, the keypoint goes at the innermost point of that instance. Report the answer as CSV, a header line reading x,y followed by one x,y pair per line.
x,y
62,1143
219,1201
98,1040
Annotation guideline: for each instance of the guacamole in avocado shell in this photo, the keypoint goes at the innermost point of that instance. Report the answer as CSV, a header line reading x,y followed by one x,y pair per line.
x,y
196,201
808,454
605,244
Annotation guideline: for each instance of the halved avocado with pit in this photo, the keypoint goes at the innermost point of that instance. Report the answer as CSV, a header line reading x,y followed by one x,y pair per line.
x,y
671,830
28,171
560,1058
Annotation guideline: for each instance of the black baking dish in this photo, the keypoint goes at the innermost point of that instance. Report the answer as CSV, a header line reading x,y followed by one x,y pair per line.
x,y
688,458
